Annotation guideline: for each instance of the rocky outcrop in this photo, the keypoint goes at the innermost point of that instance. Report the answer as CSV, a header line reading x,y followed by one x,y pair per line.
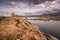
x,y
16,28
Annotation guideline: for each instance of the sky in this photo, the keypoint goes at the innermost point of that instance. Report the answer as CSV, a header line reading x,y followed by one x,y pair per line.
x,y
28,7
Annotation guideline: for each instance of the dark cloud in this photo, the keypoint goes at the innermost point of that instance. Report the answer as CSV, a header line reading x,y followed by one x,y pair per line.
x,y
29,1
7,0
2,0
38,1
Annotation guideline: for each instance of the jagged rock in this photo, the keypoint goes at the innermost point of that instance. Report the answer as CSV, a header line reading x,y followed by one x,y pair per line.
x,y
16,28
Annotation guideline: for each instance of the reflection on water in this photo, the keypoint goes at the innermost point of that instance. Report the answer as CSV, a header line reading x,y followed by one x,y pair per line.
x,y
50,27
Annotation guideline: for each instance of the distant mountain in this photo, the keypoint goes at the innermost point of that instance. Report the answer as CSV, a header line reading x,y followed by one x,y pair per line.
x,y
52,14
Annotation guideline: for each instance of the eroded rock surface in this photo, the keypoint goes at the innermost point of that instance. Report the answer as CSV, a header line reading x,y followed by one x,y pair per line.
x,y
16,28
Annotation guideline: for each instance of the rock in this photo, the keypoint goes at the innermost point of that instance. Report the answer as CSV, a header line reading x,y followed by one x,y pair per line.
x,y
16,28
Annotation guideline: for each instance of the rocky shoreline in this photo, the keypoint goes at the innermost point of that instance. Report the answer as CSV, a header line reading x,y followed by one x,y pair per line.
x,y
16,28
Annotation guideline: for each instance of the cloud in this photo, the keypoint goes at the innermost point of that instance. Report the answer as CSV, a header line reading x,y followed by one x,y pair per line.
x,y
3,0
21,8
38,1
27,1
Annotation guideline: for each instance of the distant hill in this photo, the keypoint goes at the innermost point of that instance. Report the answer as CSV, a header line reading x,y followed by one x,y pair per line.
x,y
52,14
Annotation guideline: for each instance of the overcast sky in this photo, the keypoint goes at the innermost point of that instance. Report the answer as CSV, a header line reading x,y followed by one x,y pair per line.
x,y
28,7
